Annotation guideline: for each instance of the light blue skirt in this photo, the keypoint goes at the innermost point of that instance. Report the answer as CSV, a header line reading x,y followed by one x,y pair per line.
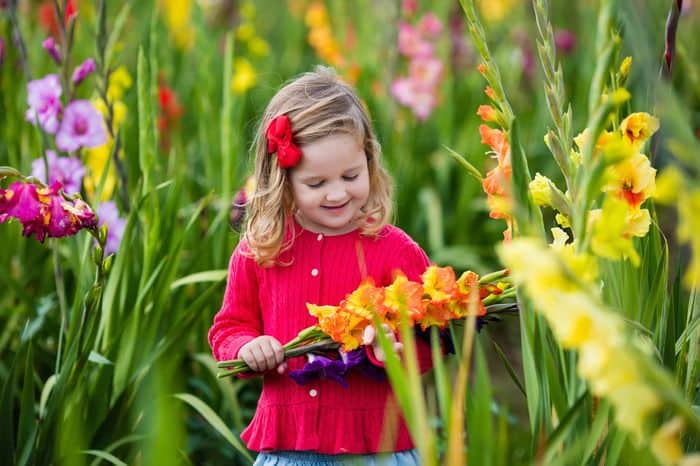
x,y
303,458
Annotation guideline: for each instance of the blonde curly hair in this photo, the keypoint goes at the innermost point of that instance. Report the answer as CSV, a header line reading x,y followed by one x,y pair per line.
x,y
318,104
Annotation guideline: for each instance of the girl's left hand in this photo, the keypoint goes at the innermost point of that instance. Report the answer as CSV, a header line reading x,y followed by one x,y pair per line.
x,y
369,337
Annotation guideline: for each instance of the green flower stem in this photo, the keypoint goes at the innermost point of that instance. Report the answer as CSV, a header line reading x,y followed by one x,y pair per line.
x,y
238,366
493,276
62,306
497,298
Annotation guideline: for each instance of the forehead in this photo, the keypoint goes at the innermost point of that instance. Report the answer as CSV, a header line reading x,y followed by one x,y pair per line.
x,y
329,155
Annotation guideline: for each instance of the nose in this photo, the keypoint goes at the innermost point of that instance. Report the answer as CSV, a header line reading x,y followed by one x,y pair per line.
x,y
336,193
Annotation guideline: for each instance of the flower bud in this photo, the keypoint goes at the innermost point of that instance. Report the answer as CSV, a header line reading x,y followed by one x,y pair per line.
x,y
83,70
541,191
52,49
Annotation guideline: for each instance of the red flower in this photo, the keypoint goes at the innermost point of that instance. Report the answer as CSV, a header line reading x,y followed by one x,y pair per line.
x,y
47,16
170,111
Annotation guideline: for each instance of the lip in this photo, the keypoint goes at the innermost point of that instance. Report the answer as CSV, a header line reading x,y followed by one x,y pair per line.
x,y
336,207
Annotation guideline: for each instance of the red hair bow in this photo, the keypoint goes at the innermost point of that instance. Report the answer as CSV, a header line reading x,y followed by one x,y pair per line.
x,y
279,139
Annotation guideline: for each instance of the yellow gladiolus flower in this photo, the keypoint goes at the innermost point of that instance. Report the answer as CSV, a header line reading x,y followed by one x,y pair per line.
x,y
245,32
178,16
669,184
666,442
244,76
688,227
638,127
633,180
625,67
609,238
96,161
495,10
119,81
562,220
541,190
259,46
582,265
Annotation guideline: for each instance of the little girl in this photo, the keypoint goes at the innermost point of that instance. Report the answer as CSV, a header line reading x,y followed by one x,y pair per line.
x,y
317,226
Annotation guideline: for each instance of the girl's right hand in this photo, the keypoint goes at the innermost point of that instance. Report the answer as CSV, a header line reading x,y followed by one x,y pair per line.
x,y
263,353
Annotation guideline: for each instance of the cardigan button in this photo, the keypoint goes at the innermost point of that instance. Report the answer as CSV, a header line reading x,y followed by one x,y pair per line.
x,y
314,272
319,237
313,393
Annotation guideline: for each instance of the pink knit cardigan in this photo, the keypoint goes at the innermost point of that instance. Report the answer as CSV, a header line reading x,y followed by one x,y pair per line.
x,y
320,416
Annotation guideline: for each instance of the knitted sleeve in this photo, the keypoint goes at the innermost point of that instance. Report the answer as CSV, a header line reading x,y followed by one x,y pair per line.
x,y
239,319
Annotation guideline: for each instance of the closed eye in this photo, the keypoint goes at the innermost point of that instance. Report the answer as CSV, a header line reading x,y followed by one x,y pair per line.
x,y
315,185
351,177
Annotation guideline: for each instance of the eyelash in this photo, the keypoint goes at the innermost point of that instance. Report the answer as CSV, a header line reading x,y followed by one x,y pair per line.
x,y
320,183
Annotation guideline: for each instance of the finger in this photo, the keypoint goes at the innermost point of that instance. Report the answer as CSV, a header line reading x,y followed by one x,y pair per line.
x,y
249,359
379,354
282,368
368,335
259,359
398,346
269,356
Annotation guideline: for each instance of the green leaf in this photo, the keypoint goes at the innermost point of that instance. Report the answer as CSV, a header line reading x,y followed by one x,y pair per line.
x,y
216,422
471,169
116,32
98,358
509,368
105,456
199,277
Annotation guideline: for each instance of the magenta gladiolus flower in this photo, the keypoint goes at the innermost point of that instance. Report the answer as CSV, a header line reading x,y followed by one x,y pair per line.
x,y
44,99
51,48
565,41
83,70
20,201
108,213
2,51
82,126
43,211
69,171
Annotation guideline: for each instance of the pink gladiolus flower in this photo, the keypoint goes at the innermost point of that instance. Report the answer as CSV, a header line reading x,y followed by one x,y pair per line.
x,y
82,126
83,70
107,213
43,211
51,48
425,71
430,25
419,99
411,43
69,171
43,97
410,7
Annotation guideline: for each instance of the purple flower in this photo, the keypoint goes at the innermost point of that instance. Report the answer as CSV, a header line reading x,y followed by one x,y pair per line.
x,y
565,41
51,48
108,214
69,171
43,97
321,366
82,126
83,70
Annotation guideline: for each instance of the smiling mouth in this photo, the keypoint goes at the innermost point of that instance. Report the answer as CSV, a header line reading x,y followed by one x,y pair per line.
x,y
336,207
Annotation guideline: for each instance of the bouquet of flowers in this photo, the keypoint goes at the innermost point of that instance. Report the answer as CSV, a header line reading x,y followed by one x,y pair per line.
x,y
438,299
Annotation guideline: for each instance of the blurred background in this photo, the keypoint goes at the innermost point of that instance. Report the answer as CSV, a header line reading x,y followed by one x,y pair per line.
x,y
182,84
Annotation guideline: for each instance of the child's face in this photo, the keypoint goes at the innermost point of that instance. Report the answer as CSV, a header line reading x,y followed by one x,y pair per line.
x,y
331,184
